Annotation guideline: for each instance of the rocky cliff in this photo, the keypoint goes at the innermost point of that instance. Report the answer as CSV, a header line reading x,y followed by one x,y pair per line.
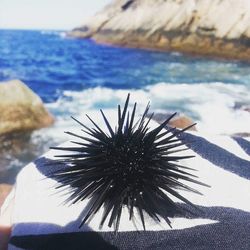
x,y
207,27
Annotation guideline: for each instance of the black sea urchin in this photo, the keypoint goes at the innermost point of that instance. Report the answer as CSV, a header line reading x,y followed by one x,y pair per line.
x,y
130,166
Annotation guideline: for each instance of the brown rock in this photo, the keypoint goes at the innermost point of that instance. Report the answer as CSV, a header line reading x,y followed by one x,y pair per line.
x,y
182,122
4,191
21,109
212,28
179,121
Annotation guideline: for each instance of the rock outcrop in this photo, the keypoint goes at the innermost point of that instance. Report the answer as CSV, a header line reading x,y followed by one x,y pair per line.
x,y
21,109
213,28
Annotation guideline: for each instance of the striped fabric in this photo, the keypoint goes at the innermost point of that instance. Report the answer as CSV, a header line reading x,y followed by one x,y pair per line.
x,y
42,221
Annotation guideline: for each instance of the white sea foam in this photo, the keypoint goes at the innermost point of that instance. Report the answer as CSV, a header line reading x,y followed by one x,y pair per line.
x,y
50,32
211,105
63,34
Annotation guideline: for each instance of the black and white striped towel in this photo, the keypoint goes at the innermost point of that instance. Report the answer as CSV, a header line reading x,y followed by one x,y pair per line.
x,y
40,221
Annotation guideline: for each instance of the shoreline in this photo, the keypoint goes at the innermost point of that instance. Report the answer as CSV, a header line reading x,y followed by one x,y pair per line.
x,y
216,30
195,55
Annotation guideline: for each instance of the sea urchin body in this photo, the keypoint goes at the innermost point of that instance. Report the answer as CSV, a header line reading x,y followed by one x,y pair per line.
x,y
131,166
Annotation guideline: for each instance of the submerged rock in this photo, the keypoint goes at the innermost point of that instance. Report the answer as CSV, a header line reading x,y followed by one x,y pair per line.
x,y
21,109
214,28
18,149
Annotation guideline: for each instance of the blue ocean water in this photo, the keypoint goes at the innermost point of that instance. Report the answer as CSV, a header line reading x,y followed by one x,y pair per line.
x,y
51,63
74,77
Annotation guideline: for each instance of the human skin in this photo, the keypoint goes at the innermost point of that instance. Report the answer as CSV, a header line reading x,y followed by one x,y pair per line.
x,y
4,237
5,224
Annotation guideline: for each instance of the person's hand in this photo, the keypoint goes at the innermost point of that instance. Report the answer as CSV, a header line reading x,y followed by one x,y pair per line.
x,y
5,222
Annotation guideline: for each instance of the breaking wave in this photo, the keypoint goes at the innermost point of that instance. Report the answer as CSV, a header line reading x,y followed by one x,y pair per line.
x,y
218,108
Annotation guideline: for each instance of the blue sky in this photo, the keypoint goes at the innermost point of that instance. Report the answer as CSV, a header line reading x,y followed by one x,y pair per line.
x,y
47,14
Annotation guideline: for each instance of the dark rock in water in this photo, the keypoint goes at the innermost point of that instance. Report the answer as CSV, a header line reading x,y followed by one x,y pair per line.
x,y
247,109
243,134
179,121
21,109
242,106
4,191
211,28
17,150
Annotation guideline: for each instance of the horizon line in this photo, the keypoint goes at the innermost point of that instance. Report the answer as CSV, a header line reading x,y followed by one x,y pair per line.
x,y
33,29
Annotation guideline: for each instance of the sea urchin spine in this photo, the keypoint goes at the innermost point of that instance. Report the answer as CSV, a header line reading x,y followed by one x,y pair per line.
x,y
131,166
